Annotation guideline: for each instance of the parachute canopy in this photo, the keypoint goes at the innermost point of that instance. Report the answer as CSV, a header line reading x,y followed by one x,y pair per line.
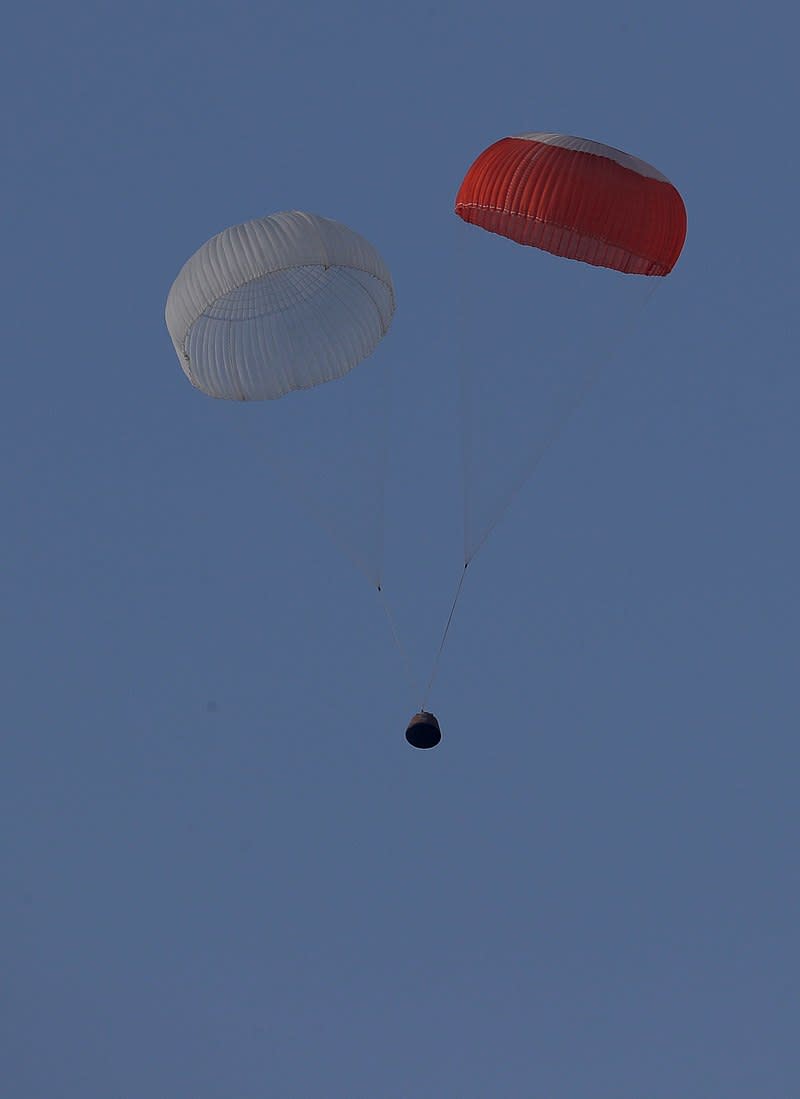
x,y
277,304
577,199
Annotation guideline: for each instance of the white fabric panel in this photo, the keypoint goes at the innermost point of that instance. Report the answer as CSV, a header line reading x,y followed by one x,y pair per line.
x,y
277,304
583,145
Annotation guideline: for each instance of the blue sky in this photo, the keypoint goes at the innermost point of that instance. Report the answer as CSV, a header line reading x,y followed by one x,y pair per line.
x,y
224,871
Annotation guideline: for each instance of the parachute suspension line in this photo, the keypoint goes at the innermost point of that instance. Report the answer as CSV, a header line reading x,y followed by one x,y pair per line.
x,y
465,406
570,407
465,416
297,490
444,636
467,450
383,469
406,662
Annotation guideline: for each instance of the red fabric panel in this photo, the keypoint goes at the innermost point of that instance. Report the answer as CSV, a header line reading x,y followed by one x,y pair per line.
x,y
576,205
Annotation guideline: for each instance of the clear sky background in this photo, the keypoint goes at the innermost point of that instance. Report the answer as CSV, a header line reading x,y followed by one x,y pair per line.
x,y
225,875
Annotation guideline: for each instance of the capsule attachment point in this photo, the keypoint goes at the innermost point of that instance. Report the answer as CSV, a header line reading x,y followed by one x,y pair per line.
x,y
423,731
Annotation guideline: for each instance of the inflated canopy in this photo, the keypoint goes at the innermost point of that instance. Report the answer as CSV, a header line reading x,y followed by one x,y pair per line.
x,y
578,199
277,304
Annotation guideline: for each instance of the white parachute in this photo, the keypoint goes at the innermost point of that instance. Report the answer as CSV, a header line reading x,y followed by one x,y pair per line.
x,y
277,304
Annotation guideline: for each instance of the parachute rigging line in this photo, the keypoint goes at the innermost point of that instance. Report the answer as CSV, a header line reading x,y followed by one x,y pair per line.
x,y
404,657
467,457
444,636
591,377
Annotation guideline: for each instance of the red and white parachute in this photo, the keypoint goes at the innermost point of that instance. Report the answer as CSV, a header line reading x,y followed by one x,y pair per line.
x,y
578,199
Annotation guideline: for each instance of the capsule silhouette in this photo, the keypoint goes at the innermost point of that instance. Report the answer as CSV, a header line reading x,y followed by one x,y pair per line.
x,y
423,731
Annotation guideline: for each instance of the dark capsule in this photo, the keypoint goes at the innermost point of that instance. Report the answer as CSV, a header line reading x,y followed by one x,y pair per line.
x,y
423,731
